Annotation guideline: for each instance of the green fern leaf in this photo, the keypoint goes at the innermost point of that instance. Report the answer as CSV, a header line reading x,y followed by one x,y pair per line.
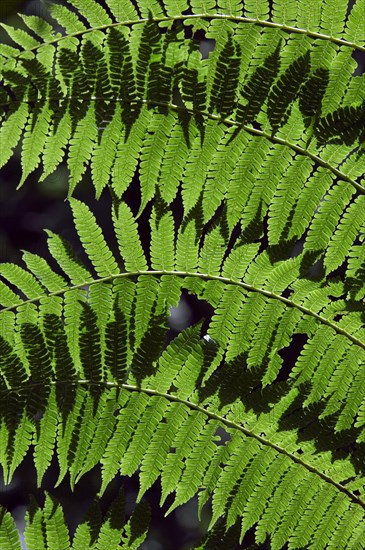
x,y
285,91
34,534
162,241
136,528
45,442
66,18
55,144
256,90
9,539
93,241
247,163
104,427
126,424
81,146
20,37
159,446
57,535
11,130
93,13
128,239
22,280
122,11
352,223
128,153
33,142
40,27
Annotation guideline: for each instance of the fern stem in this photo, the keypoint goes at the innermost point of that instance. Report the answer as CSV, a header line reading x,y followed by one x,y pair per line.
x,y
260,133
249,20
205,277
229,423
248,433
267,136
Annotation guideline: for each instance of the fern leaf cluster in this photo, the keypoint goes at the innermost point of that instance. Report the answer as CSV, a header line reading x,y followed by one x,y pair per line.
x,y
249,165
46,527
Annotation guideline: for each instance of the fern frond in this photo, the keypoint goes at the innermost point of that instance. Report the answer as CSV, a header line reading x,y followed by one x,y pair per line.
x,y
20,37
81,146
93,13
94,243
46,528
8,533
248,167
66,18
11,130
286,90
128,239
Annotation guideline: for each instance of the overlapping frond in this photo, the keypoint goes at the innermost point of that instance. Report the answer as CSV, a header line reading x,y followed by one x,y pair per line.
x,y
45,527
84,109
249,167
89,375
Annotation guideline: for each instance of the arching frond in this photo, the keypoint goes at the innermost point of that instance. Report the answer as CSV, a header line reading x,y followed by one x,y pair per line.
x,y
140,402
236,176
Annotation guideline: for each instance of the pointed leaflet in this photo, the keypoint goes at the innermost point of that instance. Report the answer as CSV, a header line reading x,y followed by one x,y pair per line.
x,y
159,447
129,151
9,538
162,240
22,279
149,423
224,88
187,248
183,443
40,27
55,145
152,153
93,240
327,216
40,268
7,296
354,24
35,531
351,224
92,12
127,422
126,230
33,141
11,130
105,152
286,90
66,259
105,425
256,90
21,37
57,532
68,432
81,146
66,18
122,11
196,464
45,441
83,433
